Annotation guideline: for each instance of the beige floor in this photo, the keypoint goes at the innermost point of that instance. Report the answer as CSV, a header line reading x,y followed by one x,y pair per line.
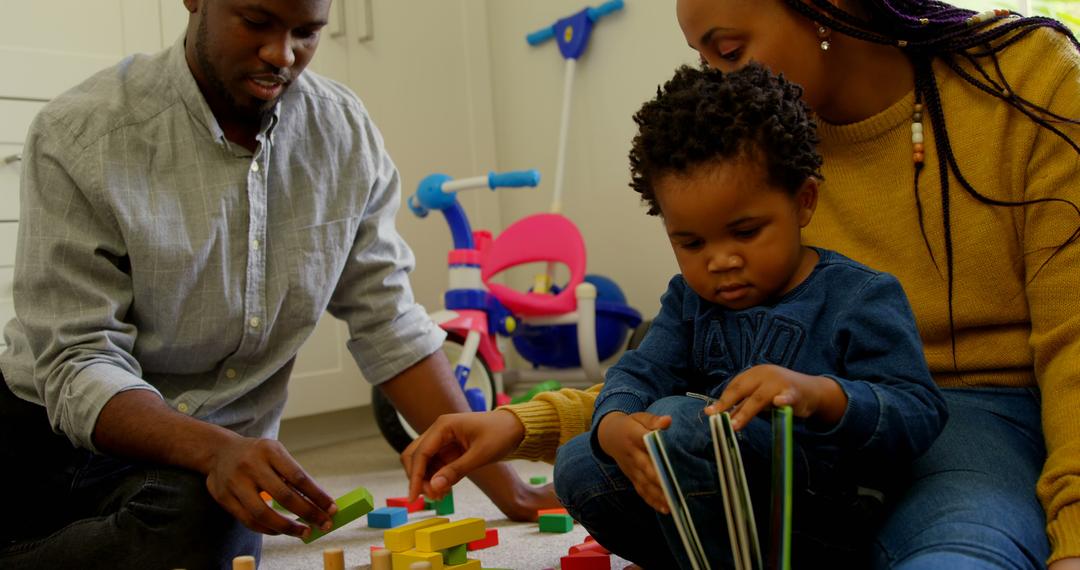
x,y
371,463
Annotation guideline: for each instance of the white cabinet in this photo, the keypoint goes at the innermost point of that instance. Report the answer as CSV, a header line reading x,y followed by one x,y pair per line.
x,y
420,67
48,46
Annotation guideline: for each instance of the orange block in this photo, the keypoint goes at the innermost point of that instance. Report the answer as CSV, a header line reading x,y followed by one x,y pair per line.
x,y
551,512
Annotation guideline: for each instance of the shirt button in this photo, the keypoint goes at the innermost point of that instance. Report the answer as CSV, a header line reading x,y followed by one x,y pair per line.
x,y
254,322
255,244
182,407
230,374
254,166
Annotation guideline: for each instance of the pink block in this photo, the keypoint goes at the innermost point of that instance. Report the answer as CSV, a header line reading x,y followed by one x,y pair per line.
x,y
502,399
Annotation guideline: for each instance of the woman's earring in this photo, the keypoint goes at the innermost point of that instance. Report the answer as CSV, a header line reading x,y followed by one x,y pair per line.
x,y
824,33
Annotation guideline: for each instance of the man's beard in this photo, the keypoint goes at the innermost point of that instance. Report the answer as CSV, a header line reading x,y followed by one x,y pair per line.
x,y
249,114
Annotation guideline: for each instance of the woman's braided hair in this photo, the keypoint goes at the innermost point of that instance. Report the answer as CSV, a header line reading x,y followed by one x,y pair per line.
x,y
702,116
929,29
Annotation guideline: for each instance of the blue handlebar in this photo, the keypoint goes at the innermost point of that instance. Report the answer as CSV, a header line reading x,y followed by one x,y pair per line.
x,y
542,35
514,179
604,9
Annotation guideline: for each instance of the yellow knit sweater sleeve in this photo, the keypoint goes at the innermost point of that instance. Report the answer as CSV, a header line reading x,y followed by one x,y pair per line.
x,y
1053,295
552,418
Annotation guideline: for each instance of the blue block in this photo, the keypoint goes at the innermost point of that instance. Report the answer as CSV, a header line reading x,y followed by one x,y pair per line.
x,y
388,517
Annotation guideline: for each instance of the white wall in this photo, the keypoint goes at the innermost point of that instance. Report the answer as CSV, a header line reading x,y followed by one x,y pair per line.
x,y
629,54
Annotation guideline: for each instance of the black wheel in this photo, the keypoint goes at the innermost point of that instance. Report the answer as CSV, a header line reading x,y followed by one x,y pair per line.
x,y
639,335
398,433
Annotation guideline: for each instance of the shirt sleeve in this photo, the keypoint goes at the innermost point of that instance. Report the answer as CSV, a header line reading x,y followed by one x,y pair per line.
x,y
388,330
72,287
659,367
1053,282
551,419
894,410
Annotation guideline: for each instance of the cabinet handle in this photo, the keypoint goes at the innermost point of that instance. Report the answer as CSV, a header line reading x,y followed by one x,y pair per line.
x,y
12,158
342,26
369,23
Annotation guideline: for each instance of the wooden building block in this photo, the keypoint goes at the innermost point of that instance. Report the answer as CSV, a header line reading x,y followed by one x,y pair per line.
x,y
542,512
539,480
429,505
351,506
243,563
556,523
403,538
491,538
424,565
467,565
588,546
388,517
445,505
333,559
381,559
436,538
454,555
586,561
402,560
417,505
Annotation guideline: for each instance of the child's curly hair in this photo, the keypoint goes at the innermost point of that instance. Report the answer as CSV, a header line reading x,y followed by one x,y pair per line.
x,y
706,115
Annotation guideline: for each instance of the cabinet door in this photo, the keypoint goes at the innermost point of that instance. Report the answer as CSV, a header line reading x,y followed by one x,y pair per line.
x,y
421,69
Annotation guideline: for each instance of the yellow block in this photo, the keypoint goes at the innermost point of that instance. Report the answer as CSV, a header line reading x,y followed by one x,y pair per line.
x,y
468,565
402,560
403,537
436,538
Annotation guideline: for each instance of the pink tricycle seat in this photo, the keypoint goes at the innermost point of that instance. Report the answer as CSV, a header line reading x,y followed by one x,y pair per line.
x,y
537,238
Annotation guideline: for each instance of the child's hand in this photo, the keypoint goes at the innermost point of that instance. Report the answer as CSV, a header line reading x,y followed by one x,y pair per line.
x,y
767,385
620,436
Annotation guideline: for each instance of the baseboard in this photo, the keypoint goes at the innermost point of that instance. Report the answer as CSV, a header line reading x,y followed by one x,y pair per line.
x,y
319,430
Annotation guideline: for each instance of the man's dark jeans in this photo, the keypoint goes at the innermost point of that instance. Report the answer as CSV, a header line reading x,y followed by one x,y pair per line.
x,y
70,508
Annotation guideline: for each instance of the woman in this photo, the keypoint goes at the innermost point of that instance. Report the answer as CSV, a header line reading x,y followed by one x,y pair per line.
x,y
951,161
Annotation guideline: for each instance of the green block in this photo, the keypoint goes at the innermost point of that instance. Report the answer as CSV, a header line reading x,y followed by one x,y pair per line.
x,y
455,555
351,506
546,386
445,506
429,505
540,480
556,523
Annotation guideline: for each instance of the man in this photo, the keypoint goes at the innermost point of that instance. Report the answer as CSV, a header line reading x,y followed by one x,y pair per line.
x,y
186,219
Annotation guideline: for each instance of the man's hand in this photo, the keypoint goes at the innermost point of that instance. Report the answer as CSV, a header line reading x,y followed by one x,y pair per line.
x,y
1065,564
138,424
768,385
245,466
455,446
621,437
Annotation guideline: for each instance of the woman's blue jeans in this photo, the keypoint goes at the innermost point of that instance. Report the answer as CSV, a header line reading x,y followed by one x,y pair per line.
x,y
970,500
832,520
69,508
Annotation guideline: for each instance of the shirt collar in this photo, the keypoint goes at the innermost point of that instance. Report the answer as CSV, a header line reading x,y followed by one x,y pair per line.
x,y
196,104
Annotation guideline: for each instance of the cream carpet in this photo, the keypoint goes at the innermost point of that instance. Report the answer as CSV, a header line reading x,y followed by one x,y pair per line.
x,y
372,463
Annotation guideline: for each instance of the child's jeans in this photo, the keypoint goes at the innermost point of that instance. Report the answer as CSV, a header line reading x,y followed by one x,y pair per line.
x,y
833,522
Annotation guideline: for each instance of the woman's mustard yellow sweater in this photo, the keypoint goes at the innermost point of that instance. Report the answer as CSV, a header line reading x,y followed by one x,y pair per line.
x,y
1016,296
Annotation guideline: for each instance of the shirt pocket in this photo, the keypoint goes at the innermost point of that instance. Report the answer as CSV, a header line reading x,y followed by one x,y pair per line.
x,y
318,255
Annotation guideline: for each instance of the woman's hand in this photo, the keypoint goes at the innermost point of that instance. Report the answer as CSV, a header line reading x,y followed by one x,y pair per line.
x,y
621,437
456,445
770,386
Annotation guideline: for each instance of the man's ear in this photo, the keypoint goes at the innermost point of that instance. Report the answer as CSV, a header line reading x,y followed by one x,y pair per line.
x,y
806,200
192,6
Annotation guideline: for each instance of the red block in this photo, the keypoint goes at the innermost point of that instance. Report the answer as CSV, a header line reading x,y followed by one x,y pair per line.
x,y
491,538
417,505
586,561
589,546
551,512
589,538
375,547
